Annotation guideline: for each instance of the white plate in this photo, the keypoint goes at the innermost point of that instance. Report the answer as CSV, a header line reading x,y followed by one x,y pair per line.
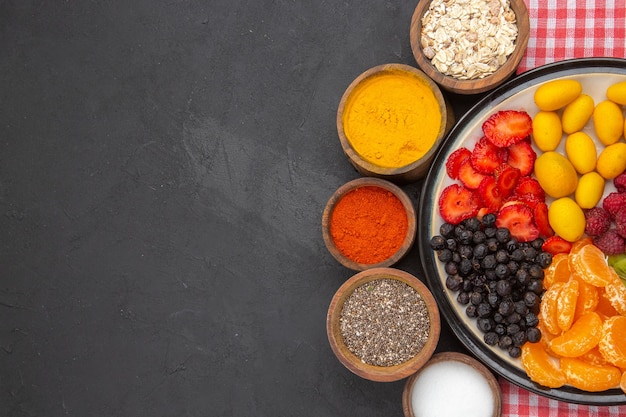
x,y
595,76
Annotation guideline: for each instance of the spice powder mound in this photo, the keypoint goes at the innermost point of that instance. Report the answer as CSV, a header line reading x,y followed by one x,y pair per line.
x,y
369,225
385,322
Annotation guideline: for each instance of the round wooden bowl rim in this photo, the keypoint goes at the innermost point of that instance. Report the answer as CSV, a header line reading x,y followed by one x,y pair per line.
x,y
364,182
457,357
479,85
351,361
416,165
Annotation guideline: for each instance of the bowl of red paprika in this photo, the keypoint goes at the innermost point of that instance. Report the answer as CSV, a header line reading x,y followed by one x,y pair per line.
x,y
368,223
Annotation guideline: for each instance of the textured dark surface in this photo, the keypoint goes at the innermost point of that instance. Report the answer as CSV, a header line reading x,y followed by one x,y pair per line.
x,y
163,170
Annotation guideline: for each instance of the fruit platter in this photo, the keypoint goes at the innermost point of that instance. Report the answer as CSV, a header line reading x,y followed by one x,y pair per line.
x,y
518,215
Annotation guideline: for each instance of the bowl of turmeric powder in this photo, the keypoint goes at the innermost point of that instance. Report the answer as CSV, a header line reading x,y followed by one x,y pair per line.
x,y
391,120
368,223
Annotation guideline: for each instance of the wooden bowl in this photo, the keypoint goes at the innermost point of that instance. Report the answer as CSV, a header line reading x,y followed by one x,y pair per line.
x,y
473,86
354,363
364,182
410,171
482,371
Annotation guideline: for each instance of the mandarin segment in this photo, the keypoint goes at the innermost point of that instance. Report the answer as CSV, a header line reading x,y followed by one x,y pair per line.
x,y
605,307
616,294
587,298
593,357
566,304
583,336
622,382
589,264
588,377
557,271
549,308
612,344
540,367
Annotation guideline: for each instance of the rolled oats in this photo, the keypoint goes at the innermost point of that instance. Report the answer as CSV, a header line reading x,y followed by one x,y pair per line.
x,y
468,39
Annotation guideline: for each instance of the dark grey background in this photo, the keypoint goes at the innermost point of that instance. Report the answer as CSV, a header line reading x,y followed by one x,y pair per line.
x,y
163,170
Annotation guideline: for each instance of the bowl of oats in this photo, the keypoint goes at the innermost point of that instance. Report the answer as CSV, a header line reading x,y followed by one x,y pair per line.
x,y
383,324
469,46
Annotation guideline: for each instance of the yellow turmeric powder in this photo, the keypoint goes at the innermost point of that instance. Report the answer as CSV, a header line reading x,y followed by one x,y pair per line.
x,y
392,119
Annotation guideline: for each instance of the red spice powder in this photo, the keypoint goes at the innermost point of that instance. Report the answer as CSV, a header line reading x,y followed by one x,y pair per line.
x,y
369,224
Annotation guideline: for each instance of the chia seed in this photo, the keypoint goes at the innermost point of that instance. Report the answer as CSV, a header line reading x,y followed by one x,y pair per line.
x,y
385,322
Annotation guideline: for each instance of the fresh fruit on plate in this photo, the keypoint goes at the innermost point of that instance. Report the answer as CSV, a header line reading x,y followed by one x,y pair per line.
x,y
507,127
583,322
557,94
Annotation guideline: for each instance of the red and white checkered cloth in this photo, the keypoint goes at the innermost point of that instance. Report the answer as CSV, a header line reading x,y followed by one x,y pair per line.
x,y
518,402
565,29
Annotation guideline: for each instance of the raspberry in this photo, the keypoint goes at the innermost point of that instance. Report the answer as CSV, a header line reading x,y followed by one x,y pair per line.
x,y
613,202
598,221
620,222
610,242
620,182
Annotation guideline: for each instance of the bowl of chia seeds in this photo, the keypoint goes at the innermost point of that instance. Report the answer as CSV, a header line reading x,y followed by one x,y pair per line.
x,y
383,324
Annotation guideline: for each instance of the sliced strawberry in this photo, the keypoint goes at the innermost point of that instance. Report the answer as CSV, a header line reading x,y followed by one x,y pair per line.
x,y
458,203
529,199
522,156
468,175
555,245
454,161
506,178
507,127
490,194
540,212
518,218
486,156
529,185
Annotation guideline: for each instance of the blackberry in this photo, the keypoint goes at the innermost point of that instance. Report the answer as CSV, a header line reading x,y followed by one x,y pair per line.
x,y
465,267
536,271
537,243
437,242
466,251
444,255
484,310
476,298
506,307
544,259
485,324
489,219
502,271
491,338
515,351
503,234
479,237
454,282
502,256
488,262
480,251
451,268
446,230
472,224
470,311
531,319
463,297
504,288
505,342
536,286
498,279
533,334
